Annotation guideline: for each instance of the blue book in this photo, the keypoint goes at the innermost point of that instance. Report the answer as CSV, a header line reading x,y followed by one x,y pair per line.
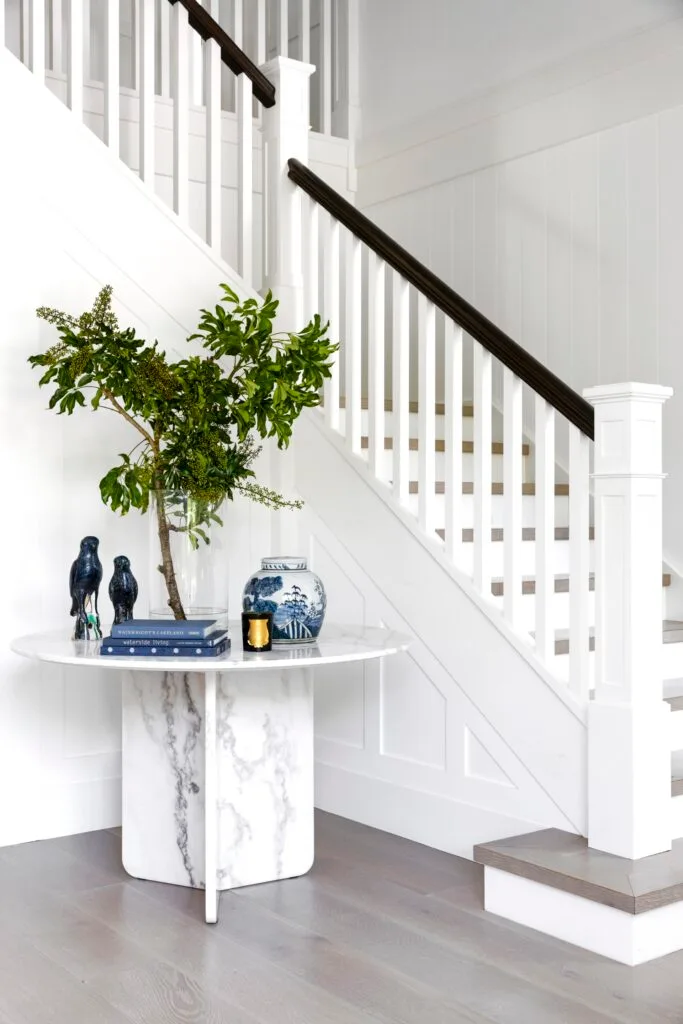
x,y
158,629
215,638
121,651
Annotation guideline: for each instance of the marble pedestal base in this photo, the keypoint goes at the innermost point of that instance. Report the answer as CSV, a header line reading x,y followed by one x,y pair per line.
x,y
217,777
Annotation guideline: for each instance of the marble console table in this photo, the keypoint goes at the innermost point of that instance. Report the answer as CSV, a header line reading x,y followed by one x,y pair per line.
x,y
217,756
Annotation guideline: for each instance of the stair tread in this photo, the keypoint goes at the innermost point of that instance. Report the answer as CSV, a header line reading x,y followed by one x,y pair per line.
x,y
529,584
528,534
675,703
528,490
676,786
440,446
439,407
564,861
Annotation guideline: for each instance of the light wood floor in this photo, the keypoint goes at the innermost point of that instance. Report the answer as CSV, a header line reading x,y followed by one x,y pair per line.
x,y
381,930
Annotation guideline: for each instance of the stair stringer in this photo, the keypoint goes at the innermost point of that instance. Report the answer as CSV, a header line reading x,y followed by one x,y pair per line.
x,y
539,721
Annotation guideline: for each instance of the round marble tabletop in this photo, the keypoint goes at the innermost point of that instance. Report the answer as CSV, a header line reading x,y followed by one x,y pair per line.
x,y
337,644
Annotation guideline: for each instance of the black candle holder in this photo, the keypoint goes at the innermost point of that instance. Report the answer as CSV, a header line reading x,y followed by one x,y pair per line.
x,y
257,631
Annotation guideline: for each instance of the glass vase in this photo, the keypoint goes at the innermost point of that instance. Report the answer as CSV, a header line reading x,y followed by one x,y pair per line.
x,y
189,569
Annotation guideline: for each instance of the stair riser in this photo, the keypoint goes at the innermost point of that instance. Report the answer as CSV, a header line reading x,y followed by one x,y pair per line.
x,y
497,510
528,567
386,469
676,730
560,610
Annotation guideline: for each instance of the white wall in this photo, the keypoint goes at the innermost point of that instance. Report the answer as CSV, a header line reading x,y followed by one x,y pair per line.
x,y
555,205
73,220
416,58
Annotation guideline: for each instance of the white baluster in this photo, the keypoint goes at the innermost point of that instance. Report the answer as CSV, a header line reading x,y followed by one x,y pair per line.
x,y
311,257
326,60
453,437
245,186
426,442
512,489
195,68
353,342
165,48
400,416
283,26
376,363
37,30
331,297
212,89
306,31
112,85
483,405
544,518
181,88
74,73
146,48
579,564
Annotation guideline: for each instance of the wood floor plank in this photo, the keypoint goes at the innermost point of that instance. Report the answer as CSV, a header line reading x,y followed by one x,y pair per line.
x,y
381,931
478,987
166,996
592,981
169,927
33,990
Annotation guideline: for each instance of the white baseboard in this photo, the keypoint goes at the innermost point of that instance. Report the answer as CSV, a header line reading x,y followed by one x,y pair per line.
x,y
63,809
628,938
427,818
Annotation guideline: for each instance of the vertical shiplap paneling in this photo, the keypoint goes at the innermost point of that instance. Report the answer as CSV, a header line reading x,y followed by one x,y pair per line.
x,y
583,164
484,257
643,256
613,256
463,269
559,358
534,272
509,260
670,153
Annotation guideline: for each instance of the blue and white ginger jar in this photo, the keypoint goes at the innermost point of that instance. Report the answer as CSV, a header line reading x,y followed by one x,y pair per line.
x,y
286,587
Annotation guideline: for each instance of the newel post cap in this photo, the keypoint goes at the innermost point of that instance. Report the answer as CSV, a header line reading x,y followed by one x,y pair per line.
x,y
655,393
275,68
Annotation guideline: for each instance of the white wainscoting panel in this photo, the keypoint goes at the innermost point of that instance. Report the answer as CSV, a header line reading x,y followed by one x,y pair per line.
x,y
408,751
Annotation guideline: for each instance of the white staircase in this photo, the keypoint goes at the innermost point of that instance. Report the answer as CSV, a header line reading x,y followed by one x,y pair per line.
x,y
454,476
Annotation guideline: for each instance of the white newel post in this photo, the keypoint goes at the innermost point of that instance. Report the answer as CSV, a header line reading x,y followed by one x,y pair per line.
x,y
629,759
285,136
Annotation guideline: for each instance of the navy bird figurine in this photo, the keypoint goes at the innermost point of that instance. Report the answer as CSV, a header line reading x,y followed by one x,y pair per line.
x,y
123,590
84,585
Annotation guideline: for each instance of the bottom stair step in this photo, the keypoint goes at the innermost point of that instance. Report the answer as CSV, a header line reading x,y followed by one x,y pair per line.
x,y
628,910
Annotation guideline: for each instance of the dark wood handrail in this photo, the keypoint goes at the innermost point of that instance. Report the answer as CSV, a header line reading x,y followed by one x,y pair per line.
x,y
563,398
231,54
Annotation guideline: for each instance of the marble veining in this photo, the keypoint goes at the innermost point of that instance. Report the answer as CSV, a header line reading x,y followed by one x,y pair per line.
x,y
264,738
174,691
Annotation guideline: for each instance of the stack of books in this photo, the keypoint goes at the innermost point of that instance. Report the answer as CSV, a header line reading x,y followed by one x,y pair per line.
x,y
166,638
